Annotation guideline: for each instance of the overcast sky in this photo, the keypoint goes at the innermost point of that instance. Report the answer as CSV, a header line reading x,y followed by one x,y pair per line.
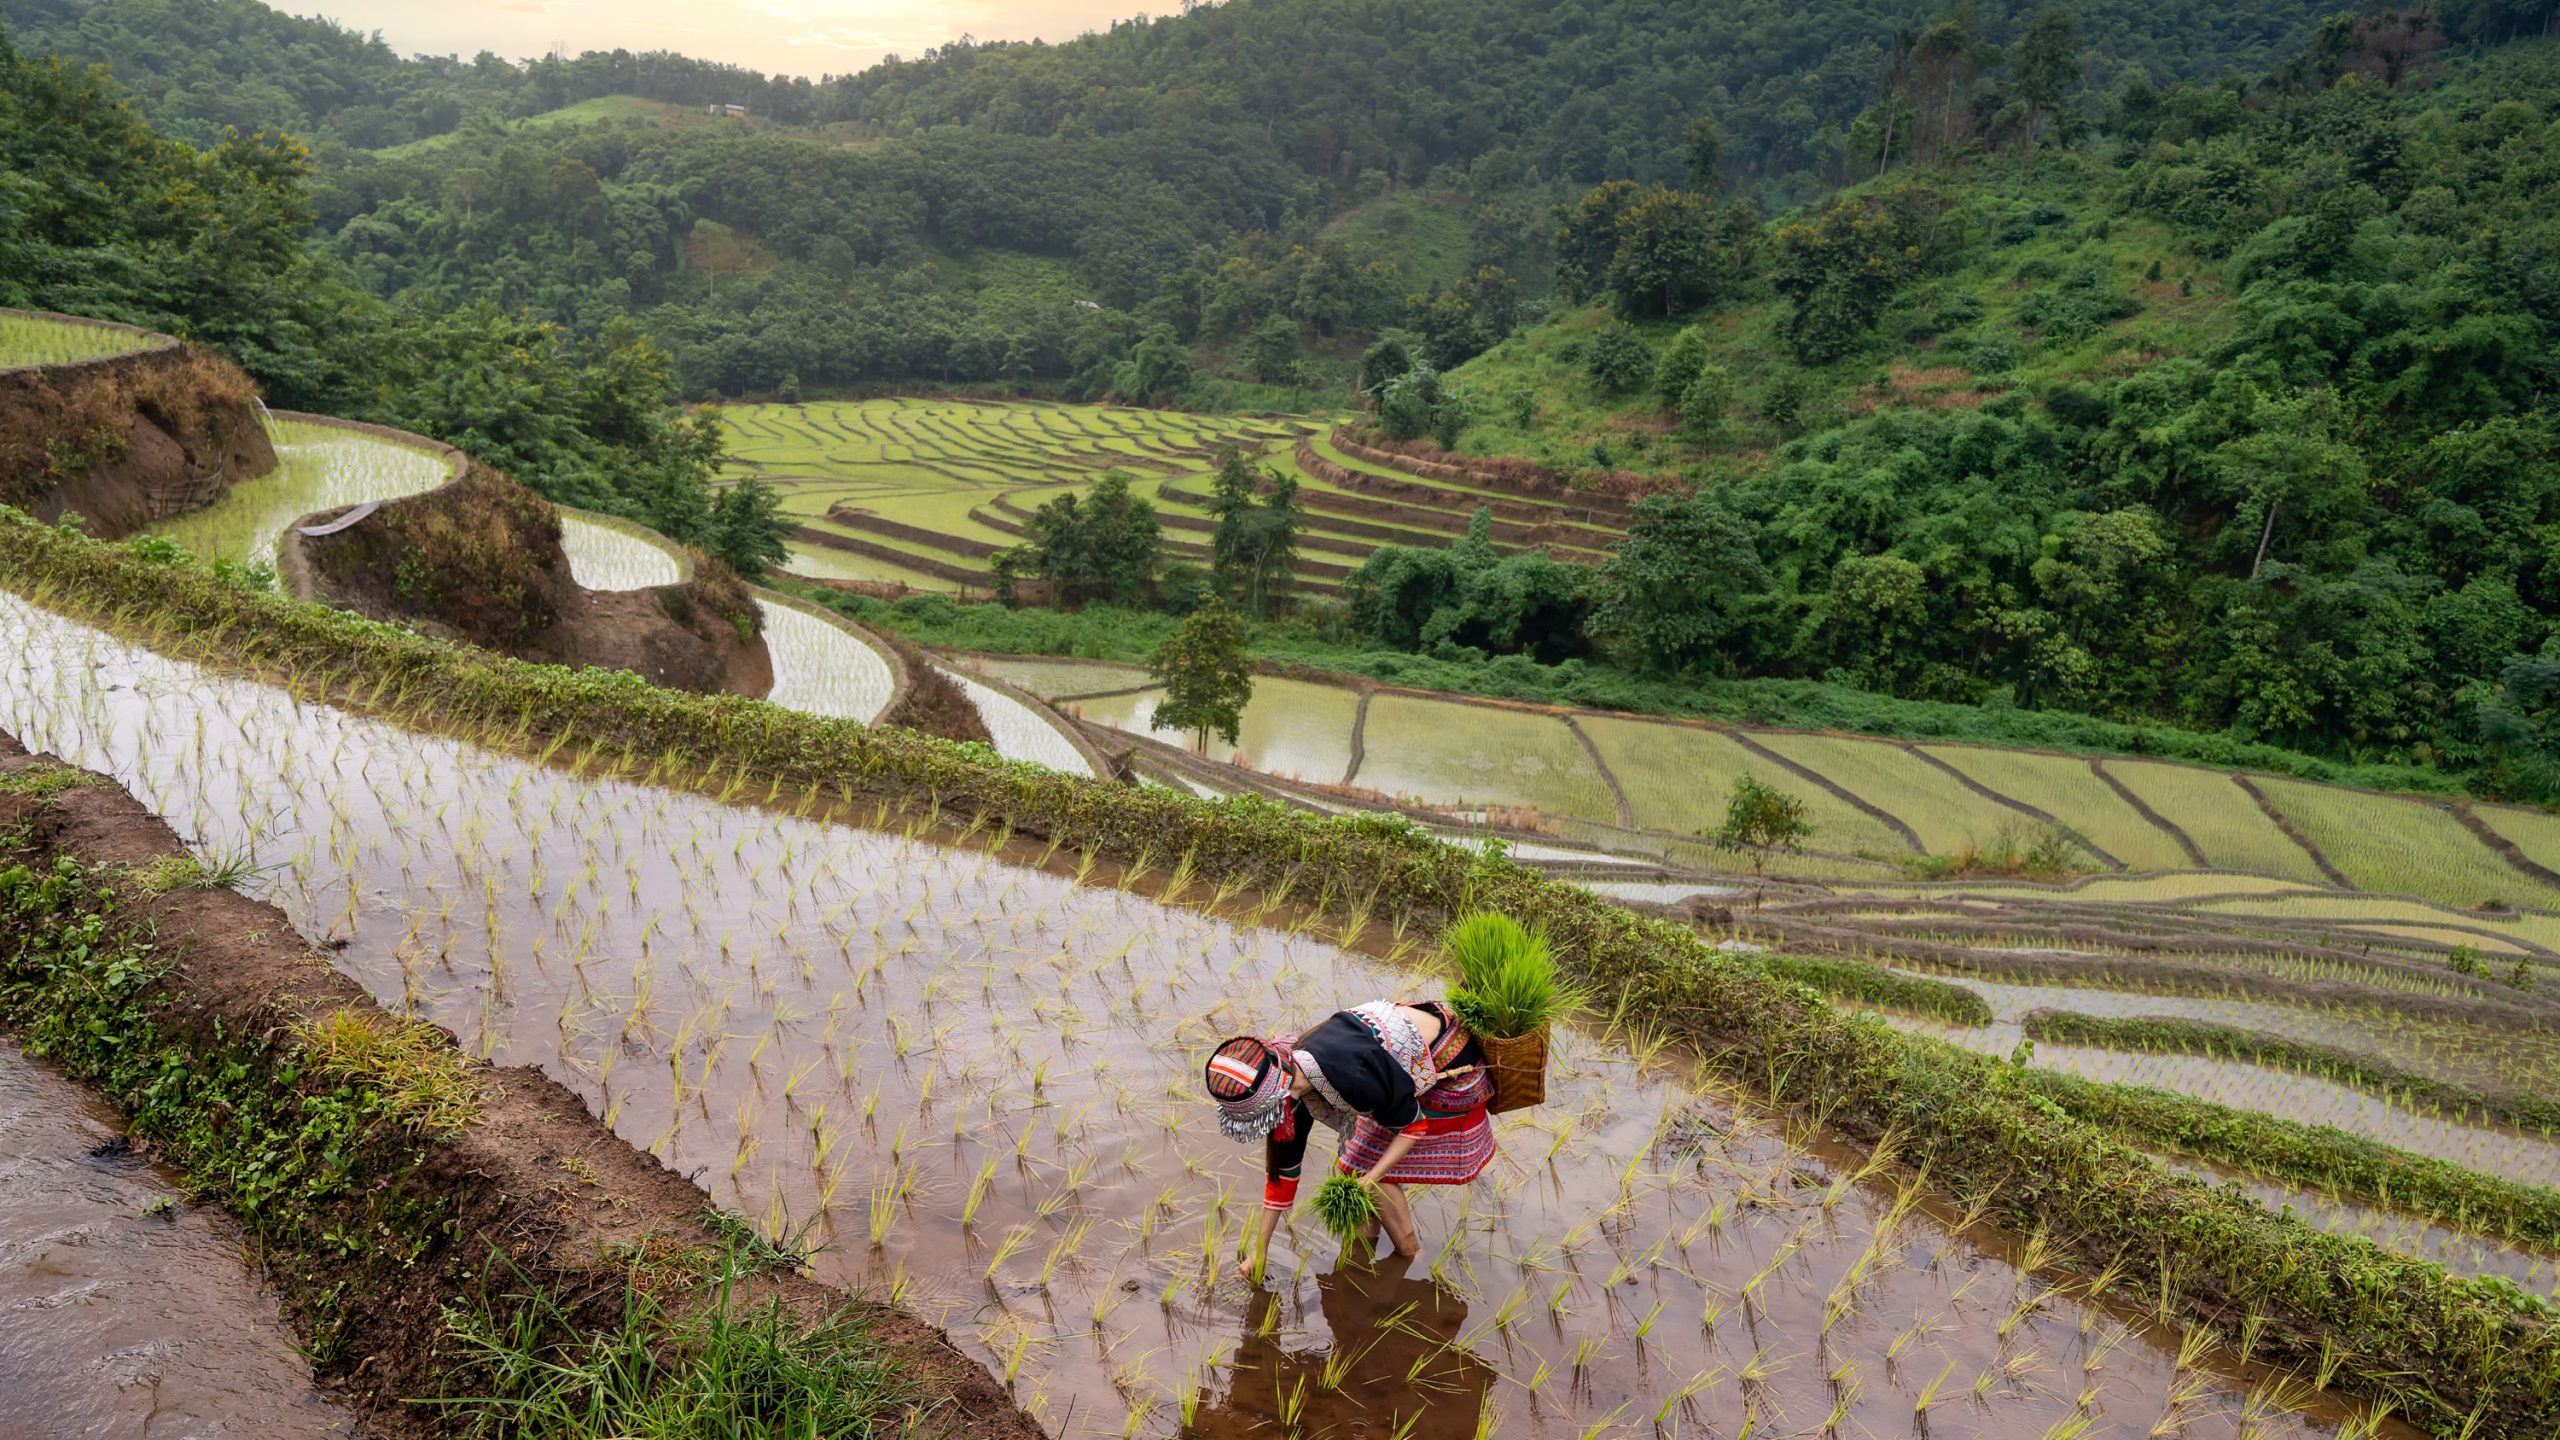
x,y
798,37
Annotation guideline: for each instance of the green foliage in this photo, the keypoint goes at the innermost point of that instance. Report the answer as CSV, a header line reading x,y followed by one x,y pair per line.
x,y
1471,596
1346,1207
1866,984
1681,587
1099,545
1761,818
1256,542
747,528
673,1373
1206,673
1507,981
1839,268
2403,1331
1617,361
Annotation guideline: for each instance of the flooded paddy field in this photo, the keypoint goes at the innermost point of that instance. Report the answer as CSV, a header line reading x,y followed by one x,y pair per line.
x,y
974,1079
124,1310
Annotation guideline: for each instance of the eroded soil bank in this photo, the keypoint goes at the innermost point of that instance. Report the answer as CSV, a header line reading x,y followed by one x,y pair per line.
x,y
128,439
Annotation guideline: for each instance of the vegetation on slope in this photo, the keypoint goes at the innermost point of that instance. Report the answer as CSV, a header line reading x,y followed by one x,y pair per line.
x,y
2438,1348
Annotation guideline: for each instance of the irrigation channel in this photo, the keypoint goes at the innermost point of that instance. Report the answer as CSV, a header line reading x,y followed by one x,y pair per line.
x,y
127,1311
820,664
972,1070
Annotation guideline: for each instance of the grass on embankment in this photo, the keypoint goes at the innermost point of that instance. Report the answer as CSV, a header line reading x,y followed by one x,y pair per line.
x,y
2172,1035
2444,1351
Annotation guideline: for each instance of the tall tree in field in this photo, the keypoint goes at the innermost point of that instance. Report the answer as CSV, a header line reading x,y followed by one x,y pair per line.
x,y
1666,254
1702,146
1681,585
1761,818
1257,538
2045,64
1206,674
1100,546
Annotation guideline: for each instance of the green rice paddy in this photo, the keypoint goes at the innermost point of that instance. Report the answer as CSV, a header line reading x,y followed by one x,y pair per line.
x,y
27,339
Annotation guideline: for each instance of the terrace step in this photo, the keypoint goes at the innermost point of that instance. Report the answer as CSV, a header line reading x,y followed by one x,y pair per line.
x,y
907,559
1423,492
1411,517
1007,514
1542,484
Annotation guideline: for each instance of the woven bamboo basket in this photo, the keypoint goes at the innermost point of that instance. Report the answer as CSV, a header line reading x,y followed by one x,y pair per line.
x,y
1519,1069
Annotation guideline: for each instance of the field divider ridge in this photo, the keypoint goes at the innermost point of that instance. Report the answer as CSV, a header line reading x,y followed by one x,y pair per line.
x,y
2142,807
2292,831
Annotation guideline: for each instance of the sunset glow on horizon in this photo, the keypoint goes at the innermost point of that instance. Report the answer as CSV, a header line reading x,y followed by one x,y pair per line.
x,y
791,37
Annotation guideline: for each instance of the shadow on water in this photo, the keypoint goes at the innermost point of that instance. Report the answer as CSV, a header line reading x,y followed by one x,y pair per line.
x,y
1389,1364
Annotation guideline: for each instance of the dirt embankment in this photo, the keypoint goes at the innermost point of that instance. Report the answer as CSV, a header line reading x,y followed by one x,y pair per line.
x,y
128,439
932,703
532,1179
480,560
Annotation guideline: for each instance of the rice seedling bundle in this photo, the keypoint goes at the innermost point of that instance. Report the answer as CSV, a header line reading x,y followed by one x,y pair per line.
x,y
1508,994
1346,1206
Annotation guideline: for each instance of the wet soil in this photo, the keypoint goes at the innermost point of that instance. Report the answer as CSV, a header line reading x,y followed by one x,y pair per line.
x,y
125,1310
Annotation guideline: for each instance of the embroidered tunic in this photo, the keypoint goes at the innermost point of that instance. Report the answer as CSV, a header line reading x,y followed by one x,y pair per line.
x,y
1373,1078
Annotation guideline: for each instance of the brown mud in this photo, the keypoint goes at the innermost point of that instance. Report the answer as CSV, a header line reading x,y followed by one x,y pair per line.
x,y
480,560
124,440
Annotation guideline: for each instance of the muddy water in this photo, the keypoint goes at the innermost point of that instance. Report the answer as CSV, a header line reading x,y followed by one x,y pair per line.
x,y
2466,1056
1021,732
2533,1159
123,1310
822,667
977,1079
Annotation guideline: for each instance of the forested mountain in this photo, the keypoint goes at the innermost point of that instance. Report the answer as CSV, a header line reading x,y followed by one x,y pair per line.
x,y
1123,213
1979,356
2246,423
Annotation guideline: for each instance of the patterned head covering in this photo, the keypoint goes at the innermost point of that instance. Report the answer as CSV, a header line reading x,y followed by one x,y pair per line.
x,y
1250,1082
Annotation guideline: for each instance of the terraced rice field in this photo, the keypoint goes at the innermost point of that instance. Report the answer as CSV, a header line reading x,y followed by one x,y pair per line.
x,y
320,467
924,492
976,1077
27,339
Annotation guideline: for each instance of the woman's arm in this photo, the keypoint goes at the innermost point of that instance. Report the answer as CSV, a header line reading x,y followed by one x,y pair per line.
x,y
1395,1151
1257,1251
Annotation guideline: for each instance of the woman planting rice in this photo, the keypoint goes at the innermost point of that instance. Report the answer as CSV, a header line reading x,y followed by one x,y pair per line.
x,y
1403,1085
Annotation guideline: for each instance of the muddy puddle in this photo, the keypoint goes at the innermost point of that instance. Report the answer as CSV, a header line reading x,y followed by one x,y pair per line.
x,y
125,1311
976,1080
